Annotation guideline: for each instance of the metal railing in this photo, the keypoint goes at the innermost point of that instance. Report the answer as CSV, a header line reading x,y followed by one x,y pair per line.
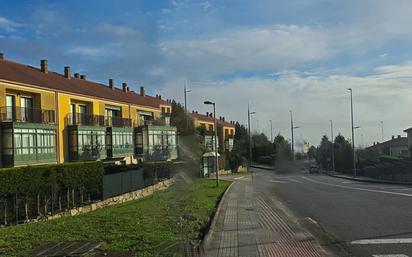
x,y
23,114
156,122
85,119
118,122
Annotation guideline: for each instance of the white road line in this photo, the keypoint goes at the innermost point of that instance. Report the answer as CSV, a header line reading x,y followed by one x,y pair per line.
x,y
294,180
277,181
239,178
390,255
358,188
382,241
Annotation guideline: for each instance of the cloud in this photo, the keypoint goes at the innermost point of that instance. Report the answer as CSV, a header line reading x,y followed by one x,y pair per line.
x,y
92,51
9,25
117,31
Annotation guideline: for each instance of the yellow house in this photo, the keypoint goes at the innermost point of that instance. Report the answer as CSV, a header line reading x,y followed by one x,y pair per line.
x,y
47,117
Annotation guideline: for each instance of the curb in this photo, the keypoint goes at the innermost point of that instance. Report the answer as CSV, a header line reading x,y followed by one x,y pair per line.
x,y
261,167
370,180
208,236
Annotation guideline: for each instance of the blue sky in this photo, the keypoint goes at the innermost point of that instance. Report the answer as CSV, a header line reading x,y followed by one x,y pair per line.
x,y
278,55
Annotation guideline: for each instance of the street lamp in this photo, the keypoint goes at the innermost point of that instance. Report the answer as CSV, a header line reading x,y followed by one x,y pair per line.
x,y
333,145
271,131
250,136
353,132
185,92
292,128
216,150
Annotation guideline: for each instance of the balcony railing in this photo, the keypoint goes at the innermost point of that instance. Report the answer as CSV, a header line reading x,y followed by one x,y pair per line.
x,y
118,122
85,119
30,115
156,122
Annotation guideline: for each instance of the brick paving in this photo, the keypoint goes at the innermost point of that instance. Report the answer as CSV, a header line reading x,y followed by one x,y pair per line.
x,y
249,225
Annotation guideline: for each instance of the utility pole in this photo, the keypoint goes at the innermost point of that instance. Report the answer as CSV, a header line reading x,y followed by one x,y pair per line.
x,y
353,133
333,145
185,93
293,140
250,135
271,131
382,130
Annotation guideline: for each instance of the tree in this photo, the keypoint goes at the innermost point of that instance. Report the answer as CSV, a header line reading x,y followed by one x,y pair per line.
x,y
312,152
261,147
178,119
324,153
240,152
343,155
282,148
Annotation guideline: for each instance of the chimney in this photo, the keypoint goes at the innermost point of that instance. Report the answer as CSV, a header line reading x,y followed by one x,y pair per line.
x,y
207,114
399,136
82,76
393,137
142,92
67,72
44,66
76,75
124,87
111,83
160,97
128,88
1,56
211,115
223,118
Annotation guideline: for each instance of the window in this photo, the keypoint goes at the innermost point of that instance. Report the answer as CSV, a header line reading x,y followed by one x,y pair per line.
x,y
34,141
10,107
26,108
82,111
210,127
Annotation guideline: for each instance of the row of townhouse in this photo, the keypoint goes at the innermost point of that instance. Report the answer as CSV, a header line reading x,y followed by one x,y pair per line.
x,y
225,134
48,117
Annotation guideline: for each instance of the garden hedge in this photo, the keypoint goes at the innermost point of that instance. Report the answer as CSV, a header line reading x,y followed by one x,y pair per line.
x,y
31,180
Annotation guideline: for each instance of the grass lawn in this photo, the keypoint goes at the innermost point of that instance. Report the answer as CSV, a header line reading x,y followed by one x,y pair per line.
x,y
150,226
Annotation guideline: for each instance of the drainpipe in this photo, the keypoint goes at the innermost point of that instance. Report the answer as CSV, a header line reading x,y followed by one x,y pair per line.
x,y
57,116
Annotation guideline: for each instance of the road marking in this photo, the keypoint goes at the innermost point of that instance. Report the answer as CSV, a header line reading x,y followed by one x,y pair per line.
x,y
312,220
277,181
390,255
239,177
382,241
294,180
358,188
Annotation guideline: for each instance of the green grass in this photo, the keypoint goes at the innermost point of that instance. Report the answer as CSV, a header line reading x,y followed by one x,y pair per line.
x,y
150,226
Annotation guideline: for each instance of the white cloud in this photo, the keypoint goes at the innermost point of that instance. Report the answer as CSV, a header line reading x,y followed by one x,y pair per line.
x,y
91,51
117,31
8,25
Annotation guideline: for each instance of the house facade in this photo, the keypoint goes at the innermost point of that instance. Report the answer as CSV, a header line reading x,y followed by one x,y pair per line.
x,y
48,117
396,147
225,134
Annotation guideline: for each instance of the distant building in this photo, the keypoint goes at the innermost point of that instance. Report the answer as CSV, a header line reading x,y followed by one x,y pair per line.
x,y
397,146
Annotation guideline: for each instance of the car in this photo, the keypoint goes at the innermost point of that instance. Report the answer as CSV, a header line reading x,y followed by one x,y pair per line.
x,y
313,168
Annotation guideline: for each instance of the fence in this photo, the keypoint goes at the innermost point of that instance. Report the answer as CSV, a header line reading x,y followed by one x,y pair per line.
x,y
17,208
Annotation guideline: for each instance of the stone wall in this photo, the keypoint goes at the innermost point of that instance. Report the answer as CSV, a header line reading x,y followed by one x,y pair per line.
x,y
135,195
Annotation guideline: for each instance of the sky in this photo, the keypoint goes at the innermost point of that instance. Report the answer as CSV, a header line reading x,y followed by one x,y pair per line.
x,y
298,55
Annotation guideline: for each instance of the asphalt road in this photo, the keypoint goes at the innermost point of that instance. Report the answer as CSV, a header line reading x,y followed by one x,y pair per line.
x,y
350,218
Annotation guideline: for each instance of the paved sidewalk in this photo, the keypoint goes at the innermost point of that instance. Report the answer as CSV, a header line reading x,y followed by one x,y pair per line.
x,y
248,224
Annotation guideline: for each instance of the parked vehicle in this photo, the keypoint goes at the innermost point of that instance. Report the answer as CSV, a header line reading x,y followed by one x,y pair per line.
x,y
313,168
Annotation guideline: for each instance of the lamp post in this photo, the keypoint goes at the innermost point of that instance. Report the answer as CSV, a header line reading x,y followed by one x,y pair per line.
x,y
291,129
216,146
250,136
382,130
271,131
333,145
185,93
353,132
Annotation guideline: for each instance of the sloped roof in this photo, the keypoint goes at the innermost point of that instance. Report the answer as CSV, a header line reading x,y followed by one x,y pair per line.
x,y
15,72
205,118
395,142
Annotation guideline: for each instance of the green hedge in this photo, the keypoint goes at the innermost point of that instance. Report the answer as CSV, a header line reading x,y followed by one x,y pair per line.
x,y
30,180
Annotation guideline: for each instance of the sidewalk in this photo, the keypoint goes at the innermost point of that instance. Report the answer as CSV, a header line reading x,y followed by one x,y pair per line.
x,y
248,224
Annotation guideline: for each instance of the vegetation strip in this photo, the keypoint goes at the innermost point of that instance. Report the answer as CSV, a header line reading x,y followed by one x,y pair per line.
x,y
179,214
